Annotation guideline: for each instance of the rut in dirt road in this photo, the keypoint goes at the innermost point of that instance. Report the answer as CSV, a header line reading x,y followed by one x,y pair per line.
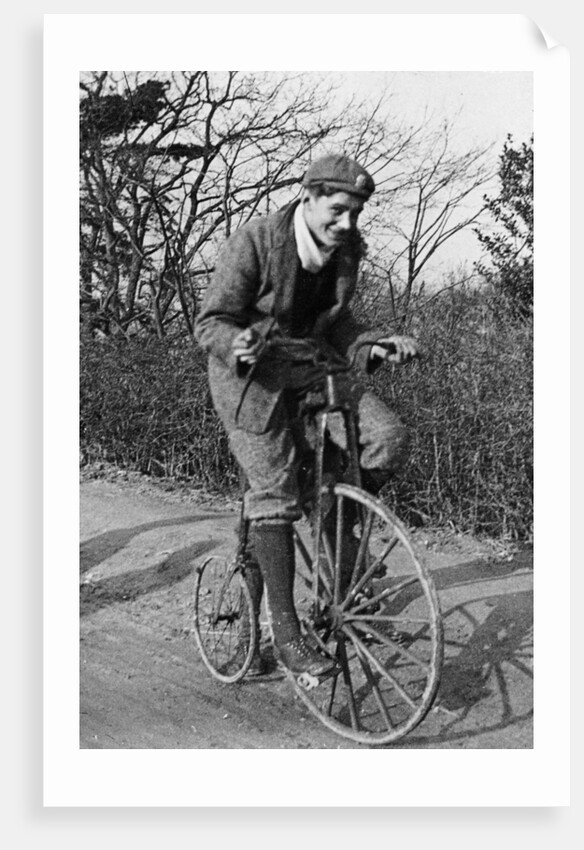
x,y
144,686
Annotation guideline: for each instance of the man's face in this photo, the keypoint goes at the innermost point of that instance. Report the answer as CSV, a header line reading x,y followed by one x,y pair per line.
x,y
332,219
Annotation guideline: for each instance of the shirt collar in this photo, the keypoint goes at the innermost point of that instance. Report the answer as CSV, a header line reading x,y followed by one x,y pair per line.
x,y
312,257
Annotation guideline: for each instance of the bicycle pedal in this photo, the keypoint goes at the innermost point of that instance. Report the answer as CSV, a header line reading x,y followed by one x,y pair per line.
x,y
308,682
401,638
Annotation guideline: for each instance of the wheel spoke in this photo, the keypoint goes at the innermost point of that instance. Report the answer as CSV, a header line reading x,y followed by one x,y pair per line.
x,y
328,551
367,525
331,699
385,594
370,571
385,682
359,644
348,684
385,639
375,688
339,548
382,618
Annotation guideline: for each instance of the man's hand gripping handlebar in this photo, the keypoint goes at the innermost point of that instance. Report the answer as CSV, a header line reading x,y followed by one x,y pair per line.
x,y
395,349
248,347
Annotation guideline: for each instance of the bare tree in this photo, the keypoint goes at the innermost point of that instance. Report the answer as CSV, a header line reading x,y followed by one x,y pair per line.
x,y
431,199
170,164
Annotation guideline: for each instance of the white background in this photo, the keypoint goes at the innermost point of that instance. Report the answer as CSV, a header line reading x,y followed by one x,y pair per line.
x,y
87,779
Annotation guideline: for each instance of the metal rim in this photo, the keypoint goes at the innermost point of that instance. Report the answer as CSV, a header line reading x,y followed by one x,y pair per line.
x,y
363,643
228,590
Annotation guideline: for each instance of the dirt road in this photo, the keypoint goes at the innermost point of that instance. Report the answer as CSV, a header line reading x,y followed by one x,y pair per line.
x,y
143,685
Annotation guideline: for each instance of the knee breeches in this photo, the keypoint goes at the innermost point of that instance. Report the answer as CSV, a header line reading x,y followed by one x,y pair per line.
x,y
271,460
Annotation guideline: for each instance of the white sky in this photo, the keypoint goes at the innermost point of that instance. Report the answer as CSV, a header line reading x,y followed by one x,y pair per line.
x,y
490,104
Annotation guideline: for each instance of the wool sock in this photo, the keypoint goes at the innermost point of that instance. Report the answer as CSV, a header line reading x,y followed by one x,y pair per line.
x,y
274,549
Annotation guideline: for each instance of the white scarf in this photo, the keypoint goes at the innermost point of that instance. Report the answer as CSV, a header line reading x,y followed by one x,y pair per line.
x,y
312,258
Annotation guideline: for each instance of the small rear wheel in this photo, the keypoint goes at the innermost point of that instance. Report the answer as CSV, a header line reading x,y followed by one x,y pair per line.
x,y
224,625
370,603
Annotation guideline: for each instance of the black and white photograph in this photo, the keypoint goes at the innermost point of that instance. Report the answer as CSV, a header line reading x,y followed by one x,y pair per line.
x,y
305,398
260,254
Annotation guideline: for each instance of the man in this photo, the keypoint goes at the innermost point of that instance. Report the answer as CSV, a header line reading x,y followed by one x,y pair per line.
x,y
293,274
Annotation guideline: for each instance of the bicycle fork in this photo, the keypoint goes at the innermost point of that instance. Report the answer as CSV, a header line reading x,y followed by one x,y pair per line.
x,y
353,475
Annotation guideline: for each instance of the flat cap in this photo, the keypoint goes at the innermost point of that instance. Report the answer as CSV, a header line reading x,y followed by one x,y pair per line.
x,y
341,173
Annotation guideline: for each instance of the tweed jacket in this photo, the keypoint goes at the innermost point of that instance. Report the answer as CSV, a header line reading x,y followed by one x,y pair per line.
x,y
253,286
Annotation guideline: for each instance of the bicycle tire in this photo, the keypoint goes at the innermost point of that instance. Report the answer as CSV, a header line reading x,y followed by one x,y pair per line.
x,y
385,631
224,626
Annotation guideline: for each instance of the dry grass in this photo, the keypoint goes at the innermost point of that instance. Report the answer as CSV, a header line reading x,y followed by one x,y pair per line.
x,y
145,406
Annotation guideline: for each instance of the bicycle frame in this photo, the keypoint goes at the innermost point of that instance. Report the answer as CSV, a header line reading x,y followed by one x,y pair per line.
x,y
386,647
332,405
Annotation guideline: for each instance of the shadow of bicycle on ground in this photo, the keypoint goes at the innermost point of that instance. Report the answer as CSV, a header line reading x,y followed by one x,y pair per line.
x,y
129,586
99,592
103,546
486,684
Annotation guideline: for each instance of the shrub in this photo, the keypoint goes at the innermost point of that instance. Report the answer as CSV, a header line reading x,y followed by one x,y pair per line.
x,y
469,408
509,245
145,405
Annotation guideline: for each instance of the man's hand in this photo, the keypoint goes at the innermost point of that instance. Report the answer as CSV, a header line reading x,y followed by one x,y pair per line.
x,y
247,346
406,348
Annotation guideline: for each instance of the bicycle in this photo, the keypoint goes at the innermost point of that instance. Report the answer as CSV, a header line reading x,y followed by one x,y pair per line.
x,y
363,596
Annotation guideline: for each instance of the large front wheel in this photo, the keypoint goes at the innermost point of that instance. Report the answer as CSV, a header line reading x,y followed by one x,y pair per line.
x,y
368,601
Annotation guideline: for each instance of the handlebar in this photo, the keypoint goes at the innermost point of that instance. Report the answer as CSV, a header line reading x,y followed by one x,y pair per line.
x,y
308,351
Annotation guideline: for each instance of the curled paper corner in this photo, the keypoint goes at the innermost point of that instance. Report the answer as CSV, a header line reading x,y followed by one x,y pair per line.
x,y
543,36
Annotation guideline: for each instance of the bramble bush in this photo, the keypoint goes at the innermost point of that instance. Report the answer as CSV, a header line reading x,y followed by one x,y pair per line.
x,y
469,408
145,405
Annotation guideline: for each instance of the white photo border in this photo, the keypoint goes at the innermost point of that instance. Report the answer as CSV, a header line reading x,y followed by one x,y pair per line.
x,y
75,777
